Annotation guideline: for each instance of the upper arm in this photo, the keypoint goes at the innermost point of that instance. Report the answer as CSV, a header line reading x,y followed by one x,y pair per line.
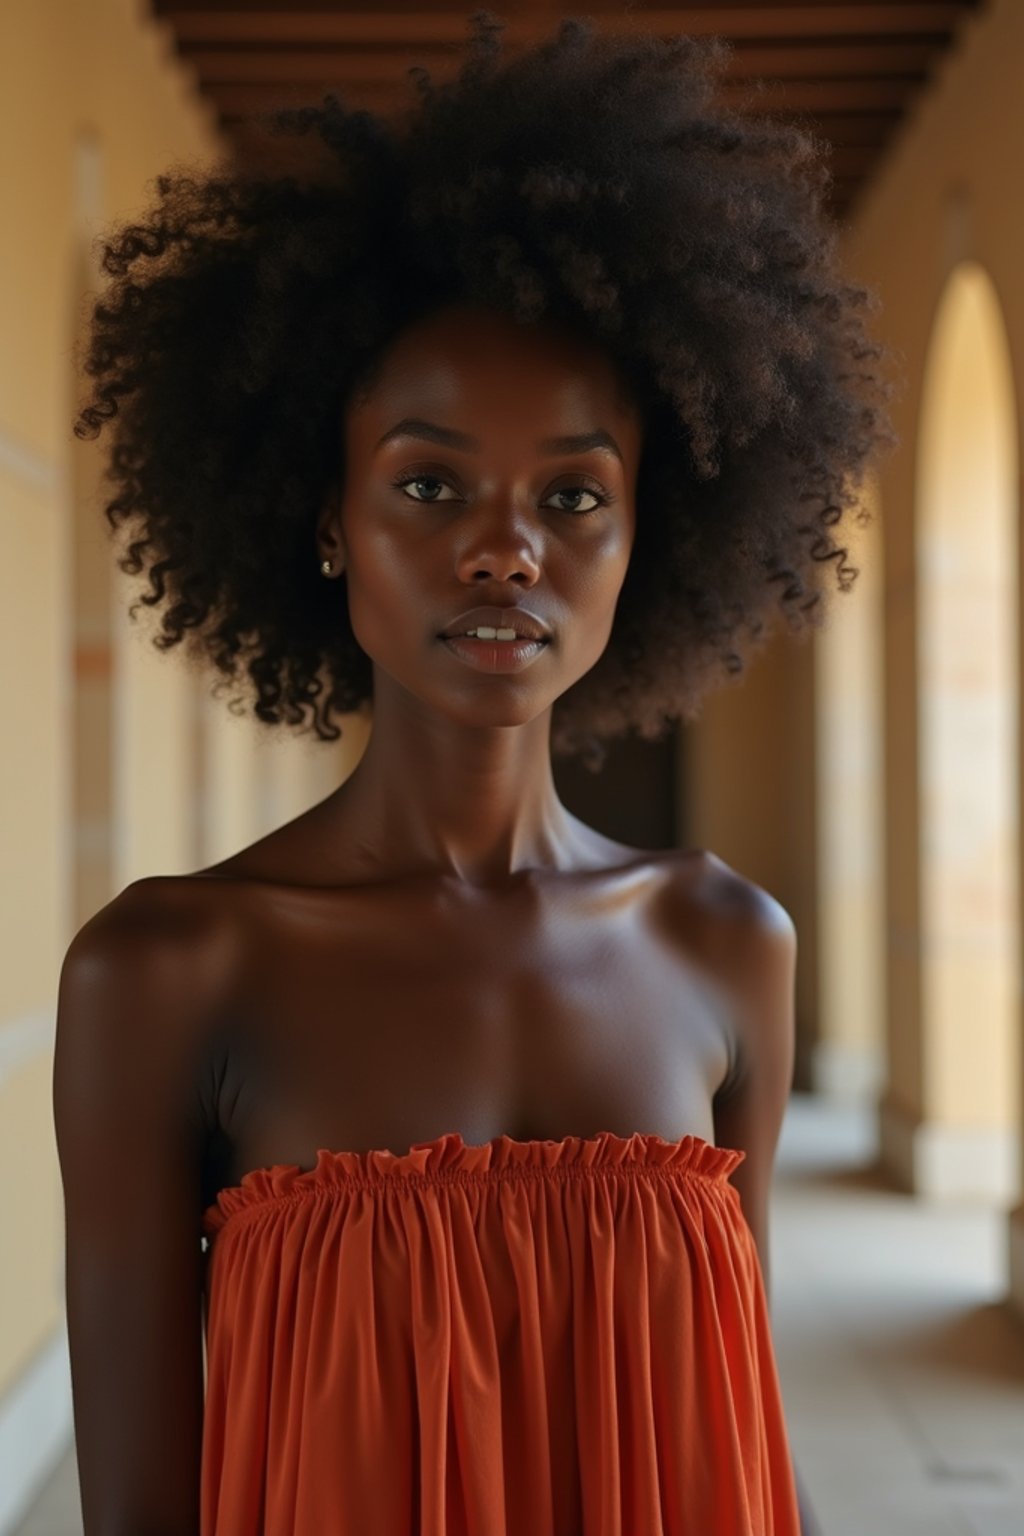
x,y
758,966
130,1140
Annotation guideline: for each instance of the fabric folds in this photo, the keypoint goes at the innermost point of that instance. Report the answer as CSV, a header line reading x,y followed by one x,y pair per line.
x,y
523,1338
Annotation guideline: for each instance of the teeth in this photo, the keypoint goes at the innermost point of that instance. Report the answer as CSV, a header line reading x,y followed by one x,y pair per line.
x,y
483,633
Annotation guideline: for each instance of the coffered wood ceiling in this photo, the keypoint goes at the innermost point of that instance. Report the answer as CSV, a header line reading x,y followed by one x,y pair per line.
x,y
850,72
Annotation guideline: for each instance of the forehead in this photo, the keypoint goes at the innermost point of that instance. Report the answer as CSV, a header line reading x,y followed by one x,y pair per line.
x,y
466,362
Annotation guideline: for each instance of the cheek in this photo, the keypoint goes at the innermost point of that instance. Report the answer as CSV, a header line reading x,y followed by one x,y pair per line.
x,y
389,605
602,598
595,576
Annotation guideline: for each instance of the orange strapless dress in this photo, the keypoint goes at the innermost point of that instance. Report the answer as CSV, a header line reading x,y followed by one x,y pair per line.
x,y
524,1338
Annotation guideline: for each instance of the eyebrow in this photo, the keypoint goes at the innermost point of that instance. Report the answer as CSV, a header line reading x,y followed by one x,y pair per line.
x,y
448,437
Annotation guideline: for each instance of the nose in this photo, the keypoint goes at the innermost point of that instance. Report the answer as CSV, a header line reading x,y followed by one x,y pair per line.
x,y
499,552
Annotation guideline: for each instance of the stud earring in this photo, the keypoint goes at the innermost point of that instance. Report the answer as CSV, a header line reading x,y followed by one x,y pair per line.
x,y
325,566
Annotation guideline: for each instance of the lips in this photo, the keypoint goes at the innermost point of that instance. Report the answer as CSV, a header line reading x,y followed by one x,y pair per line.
x,y
526,624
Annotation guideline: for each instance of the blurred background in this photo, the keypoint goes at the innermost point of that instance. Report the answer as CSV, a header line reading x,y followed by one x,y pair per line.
x,y
871,780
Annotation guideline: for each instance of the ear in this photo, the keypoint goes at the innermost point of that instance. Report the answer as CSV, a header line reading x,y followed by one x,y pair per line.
x,y
330,541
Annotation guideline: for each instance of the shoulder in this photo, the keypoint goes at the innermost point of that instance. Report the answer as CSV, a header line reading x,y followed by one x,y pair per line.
x,y
143,991
742,927
148,970
749,942
153,922
745,940
732,897
139,987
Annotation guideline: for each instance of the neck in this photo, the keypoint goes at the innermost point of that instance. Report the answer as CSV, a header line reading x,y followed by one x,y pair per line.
x,y
476,803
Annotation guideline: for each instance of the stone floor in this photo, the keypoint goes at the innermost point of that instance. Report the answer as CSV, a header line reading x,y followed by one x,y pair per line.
x,y
902,1373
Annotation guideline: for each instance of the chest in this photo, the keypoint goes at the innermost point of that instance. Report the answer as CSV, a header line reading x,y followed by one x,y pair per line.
x,y
388,1019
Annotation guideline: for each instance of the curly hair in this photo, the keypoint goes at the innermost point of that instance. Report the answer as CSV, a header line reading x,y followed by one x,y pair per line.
x,y
590,180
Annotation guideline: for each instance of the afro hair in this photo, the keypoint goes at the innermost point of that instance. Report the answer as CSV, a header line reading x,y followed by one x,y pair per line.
x,y
590,180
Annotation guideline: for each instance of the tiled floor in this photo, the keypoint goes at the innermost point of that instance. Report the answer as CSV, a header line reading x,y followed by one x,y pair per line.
x,y
902,1374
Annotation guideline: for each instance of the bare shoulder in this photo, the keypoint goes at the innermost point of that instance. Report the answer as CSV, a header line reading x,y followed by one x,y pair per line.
x,y
727,909
732,899
153,915
138,989
748,941
141,993
159,953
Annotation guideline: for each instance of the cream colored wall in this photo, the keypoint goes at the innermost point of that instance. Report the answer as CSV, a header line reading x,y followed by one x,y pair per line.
x,y
848,1051
65,70
968,511
946,193
115,764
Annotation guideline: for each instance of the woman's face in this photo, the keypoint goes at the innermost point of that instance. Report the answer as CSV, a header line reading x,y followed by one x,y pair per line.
x,y
457,495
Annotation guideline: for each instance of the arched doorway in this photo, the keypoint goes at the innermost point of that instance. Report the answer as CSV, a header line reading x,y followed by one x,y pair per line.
x,y
965,1056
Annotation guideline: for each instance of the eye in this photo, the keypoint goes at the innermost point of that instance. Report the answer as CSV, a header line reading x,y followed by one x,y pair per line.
x,y
600,498
419,480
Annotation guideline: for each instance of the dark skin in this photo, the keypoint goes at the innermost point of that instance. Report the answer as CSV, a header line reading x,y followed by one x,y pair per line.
x,y
439,944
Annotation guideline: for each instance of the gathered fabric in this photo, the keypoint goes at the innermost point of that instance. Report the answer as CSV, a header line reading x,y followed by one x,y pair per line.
x,y
523,1338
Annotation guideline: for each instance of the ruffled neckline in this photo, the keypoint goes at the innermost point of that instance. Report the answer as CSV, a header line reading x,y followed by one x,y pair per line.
x,y
448,1158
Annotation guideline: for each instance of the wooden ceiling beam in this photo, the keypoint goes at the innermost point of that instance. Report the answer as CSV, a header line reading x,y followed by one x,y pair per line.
x,y
275,24
846,71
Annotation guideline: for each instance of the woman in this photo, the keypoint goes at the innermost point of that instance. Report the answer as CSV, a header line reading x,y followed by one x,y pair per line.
x,y
518,415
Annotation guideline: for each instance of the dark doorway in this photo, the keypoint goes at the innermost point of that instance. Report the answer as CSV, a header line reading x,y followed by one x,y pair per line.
x,y
634,797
